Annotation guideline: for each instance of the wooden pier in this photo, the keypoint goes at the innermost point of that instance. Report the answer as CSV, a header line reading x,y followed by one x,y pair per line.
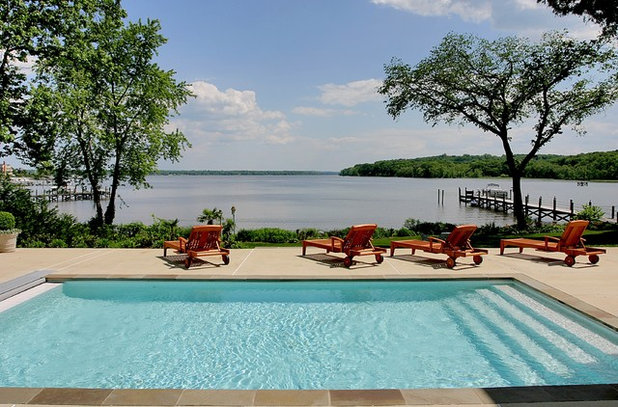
x,y
63,195
537,210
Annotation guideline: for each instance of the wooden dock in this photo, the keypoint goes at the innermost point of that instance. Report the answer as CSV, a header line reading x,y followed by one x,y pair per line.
x,y
537,210
63,195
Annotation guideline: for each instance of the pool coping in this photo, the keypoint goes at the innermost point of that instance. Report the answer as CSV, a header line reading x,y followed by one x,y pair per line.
x,y
364,397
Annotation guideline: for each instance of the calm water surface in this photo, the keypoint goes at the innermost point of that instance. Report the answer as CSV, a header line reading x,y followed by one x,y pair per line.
x,y
330,201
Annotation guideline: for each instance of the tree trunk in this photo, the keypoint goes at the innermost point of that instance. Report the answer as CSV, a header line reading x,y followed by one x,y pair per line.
x,y
110,212
518,205
96,197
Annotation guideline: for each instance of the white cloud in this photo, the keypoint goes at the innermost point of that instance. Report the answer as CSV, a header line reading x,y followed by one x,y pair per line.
x,y
26,67
350,94
228,116
522,17
320,112
467,10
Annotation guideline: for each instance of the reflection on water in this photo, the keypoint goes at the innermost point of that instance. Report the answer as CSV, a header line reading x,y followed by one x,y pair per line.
x,y
329,201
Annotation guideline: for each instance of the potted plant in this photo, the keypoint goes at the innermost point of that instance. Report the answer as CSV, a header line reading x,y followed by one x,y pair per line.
x,y
8,233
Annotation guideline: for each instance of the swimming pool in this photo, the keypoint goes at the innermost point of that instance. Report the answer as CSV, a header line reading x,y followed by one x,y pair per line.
x,y
300,335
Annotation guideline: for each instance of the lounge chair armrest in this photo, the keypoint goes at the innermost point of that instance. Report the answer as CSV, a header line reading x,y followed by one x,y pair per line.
x,y
336,239
435,239
551,238
183,243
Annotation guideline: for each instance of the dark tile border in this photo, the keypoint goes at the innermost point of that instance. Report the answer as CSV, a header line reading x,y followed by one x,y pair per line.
x,y
386,397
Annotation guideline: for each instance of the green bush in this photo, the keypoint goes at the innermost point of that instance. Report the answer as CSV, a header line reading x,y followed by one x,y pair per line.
x,y
57,243
267,235
591,213
427,228
404,232
7,220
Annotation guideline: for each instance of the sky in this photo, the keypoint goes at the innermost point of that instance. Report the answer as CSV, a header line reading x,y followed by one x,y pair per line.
x,y
291,84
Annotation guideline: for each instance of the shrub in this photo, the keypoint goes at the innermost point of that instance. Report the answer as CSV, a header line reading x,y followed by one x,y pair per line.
x,y
591,213
57,243
404,232
267,235
427,228
7,221
309,233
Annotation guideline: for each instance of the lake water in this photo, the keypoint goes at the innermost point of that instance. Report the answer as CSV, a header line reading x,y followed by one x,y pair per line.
x,y
330,201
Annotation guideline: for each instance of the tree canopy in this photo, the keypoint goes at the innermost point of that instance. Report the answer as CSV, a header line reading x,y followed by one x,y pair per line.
x,y
510,82
31,30
601,165
99,107
602,12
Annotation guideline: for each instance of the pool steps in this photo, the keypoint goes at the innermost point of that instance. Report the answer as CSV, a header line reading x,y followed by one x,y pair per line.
x,y
22,283
510,314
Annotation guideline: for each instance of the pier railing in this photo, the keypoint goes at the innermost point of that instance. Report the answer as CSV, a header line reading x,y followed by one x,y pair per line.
x,y
535,210
63,194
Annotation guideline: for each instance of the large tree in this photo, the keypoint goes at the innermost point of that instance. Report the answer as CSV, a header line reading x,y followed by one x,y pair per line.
x,y
101,107
507,83
31,31
602,12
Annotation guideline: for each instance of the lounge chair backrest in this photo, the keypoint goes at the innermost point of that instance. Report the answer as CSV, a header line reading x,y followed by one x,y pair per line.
x,y
571,237
204,237
359,237
460,236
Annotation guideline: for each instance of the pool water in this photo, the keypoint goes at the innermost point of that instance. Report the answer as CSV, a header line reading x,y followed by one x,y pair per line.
x,y
300,335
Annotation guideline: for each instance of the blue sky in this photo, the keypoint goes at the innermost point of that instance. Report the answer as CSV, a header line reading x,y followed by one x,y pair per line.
x,y
290,84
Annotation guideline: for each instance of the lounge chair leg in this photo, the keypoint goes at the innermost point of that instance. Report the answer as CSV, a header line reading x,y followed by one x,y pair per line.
x,y
347,261
188,262
226,259
379,258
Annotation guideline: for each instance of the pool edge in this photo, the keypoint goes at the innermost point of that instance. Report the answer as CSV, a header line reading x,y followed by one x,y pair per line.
x,y
439,396
179,397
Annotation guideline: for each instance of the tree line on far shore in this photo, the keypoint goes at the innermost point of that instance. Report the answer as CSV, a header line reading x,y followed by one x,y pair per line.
x,y
587,166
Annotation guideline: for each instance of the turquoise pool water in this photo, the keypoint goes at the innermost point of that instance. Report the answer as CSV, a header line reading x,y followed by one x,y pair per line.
x,y
300,335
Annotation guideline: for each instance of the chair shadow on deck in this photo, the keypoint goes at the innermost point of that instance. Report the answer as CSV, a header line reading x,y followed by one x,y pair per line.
x,y
176,261
549,261
331,261
431,262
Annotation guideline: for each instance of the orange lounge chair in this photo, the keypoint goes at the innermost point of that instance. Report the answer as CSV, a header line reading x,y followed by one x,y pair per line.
x,y
457,244
204,240
570,243
356,243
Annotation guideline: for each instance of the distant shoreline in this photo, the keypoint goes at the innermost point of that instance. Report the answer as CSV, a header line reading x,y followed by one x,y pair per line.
x,y
242,172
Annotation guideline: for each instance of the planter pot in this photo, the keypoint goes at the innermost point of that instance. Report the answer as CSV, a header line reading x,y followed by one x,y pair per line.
x,y
8,241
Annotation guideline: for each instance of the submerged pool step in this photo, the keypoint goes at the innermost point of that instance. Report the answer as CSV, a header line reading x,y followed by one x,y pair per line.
x,y
522,342
514,369
593,339
569,349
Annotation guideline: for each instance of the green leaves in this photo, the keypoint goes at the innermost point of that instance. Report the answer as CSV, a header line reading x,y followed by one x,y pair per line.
x,y
99,104
499,85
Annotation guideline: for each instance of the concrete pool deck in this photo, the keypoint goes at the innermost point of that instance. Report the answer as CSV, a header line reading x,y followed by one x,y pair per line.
x,y
592,289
